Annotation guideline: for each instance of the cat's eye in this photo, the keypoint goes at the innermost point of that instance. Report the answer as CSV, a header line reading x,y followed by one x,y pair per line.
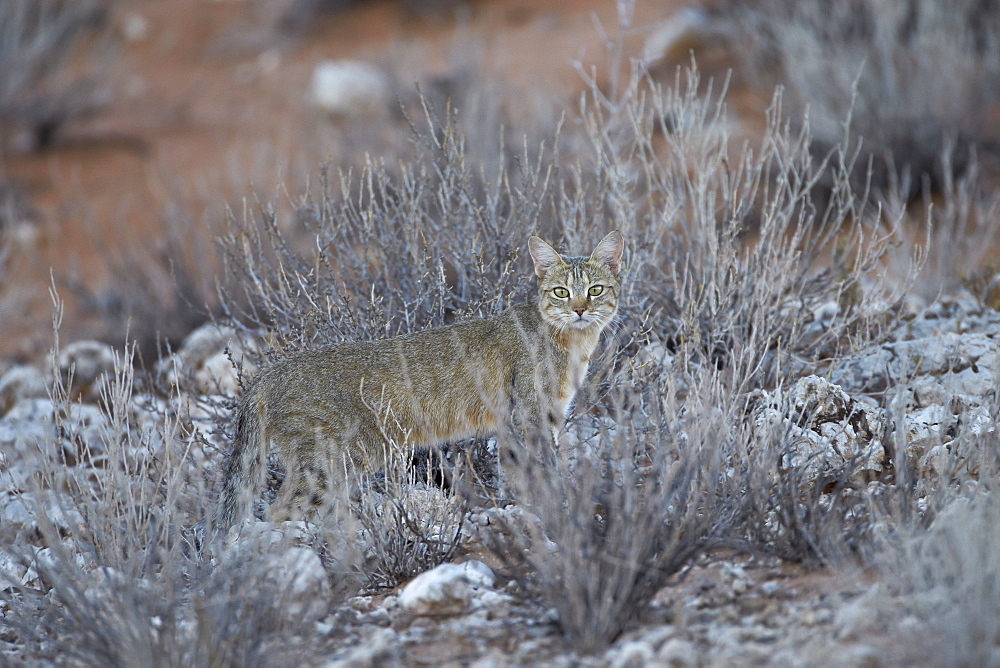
x,y
595,290
561,293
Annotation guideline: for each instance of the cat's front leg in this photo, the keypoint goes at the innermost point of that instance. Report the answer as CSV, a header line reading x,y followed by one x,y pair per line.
x,y
526,446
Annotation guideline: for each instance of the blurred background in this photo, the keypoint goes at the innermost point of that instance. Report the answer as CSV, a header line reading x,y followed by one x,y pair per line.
x,y
127,129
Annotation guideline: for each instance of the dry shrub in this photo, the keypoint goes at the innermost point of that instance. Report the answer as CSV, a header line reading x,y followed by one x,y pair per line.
x,y
55,58
123,578
910,78
940,592
407,522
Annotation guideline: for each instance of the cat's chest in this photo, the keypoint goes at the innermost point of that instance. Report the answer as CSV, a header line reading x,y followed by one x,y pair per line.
x,y
577,363
576,369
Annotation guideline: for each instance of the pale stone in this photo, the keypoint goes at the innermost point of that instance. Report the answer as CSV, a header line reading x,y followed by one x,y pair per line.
x,y
202,360
19,383
677,653
445,589
85,366
825,428
349,88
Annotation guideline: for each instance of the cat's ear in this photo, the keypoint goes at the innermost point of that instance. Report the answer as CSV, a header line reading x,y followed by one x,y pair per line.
x,y
609,251
543,255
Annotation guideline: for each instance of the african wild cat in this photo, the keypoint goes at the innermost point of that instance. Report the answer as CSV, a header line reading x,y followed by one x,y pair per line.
x,y
341,407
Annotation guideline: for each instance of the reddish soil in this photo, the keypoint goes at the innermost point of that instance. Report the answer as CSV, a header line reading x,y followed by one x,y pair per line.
x,y
213,98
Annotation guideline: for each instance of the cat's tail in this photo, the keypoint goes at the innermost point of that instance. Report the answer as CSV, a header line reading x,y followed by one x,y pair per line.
x,y
244,471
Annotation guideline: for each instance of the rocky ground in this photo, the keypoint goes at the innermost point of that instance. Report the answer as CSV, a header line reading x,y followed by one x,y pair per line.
x,y
931,391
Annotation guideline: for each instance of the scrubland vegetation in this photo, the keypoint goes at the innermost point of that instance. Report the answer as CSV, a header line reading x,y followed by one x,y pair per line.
x,y
54,65
752,265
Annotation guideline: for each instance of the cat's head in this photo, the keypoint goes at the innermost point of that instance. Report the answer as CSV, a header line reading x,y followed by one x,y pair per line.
x,y
578,292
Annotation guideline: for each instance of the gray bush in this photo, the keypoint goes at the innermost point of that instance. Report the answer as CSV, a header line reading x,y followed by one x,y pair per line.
x,y
54,56
911,78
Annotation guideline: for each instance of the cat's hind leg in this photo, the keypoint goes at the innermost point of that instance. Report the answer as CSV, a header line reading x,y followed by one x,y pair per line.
x,y
306,491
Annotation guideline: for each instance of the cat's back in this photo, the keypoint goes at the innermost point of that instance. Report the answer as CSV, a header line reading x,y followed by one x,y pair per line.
x,y
492,345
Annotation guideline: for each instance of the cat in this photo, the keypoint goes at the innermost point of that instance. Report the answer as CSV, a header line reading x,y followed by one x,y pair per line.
x,y
333,410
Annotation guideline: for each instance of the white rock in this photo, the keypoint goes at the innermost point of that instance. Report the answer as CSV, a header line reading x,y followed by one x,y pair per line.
x,y
301,581
818,399
479,574
979,421
106,584
50,559
86,365
27,428
217,375
21,382
936,462
961,363
925,429
927,391
825,314
437,515
823,427
85,429
26,513
582,441
203,361
443,590
290,571
349,88
977,381
737,578
677,653
135,27
631,654
657,354
206,341
854,619
382,647
491,599
14,511
34,426
15,571
251,536
361,603
862,656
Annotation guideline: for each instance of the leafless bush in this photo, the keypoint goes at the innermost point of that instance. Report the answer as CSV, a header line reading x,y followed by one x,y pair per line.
x,y
962,228
408,523
631,499
820,520
392,254
909,77
747,264
159,286
53,64
123,578
942,580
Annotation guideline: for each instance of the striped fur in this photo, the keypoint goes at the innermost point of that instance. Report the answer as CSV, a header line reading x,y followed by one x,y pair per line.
x,y
341,408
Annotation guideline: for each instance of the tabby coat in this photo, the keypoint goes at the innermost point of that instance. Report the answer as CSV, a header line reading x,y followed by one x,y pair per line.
x,y
344,407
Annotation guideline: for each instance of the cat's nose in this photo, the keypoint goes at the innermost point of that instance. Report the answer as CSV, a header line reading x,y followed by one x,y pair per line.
x,y
579,311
